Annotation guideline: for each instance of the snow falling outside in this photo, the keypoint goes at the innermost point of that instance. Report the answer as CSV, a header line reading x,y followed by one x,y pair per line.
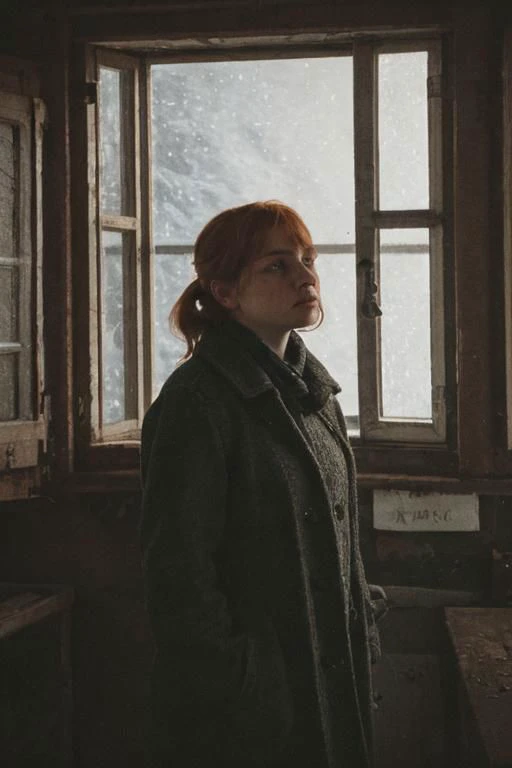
x,y
227,133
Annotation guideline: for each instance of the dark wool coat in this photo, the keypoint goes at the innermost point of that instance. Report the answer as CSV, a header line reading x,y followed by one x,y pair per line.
x,y
259,662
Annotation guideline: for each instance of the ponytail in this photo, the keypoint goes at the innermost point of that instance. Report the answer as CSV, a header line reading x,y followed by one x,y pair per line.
x,y
194,311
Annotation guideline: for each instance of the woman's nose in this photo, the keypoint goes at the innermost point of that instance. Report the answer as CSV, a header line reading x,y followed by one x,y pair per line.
x,y
307,275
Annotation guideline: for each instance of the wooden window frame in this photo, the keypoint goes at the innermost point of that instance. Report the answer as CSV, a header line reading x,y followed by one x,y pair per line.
x,y
99,447
129,428
477,454
370,220
23,440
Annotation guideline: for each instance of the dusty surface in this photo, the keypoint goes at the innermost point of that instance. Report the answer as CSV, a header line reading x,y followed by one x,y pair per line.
x,y
482,640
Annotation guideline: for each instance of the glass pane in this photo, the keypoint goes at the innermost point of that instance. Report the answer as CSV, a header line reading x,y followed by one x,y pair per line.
x,y
8,191
403,131
9,304
228,133
112,327
335,341
113,124
8,387
405,324
173,272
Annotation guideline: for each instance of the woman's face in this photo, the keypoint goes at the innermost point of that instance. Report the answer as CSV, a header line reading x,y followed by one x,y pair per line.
x,y
278,290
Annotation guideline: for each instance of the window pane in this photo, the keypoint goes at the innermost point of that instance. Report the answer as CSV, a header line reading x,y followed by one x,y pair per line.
x,y
405,323
335,341
173,272
403,131
227,133
115,252
8,387
115,144
8,190
9,303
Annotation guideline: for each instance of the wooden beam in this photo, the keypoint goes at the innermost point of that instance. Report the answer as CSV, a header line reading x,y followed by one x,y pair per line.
x,y
473,42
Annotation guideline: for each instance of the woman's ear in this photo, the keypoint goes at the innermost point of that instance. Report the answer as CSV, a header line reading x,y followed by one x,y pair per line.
x,y
225,293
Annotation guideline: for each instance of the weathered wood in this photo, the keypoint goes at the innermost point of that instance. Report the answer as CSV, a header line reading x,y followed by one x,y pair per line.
x,y
481,639
472,233
128,224
125,223
31,606
422,597
414,482
407,219
57,242
507,220
108,25
20,443
19,484
36,673
366,170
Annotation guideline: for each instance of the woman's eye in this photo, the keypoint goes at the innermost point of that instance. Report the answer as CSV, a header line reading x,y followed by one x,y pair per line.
x,y
275,266
309,259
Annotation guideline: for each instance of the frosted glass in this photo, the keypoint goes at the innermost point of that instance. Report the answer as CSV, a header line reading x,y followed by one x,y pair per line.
x,y
110,141
8,387
405,324
112,327
334,343
173,272
403,131
9,303
228,133
8,191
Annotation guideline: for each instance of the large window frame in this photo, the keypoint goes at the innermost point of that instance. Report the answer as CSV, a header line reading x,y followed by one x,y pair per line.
x,y
383,443
23,438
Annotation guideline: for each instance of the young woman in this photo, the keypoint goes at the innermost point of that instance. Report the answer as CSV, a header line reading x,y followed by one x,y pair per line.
x,y
256,591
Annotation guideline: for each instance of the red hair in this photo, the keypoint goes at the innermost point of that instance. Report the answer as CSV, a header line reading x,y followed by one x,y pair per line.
x,y
223,248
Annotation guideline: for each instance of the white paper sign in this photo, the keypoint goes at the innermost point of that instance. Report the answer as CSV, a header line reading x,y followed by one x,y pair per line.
x,y
414,511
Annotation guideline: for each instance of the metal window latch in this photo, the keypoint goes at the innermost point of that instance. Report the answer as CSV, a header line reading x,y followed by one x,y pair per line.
x,y
369,307
90,93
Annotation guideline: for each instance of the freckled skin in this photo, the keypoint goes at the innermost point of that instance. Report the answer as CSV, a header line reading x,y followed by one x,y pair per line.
x,y
278,291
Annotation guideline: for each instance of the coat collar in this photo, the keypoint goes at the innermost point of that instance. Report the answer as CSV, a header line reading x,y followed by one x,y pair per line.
x,y
229,348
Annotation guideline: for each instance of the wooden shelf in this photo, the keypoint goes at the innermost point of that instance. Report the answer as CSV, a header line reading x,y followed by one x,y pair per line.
x,y
481,640
35,668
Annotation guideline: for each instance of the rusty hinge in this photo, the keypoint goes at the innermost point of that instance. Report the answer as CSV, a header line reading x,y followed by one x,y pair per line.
x,y
10,456
90,93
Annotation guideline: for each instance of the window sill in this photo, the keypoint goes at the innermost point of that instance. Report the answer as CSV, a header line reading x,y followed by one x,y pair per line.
x,y
483,486
128,481
112,481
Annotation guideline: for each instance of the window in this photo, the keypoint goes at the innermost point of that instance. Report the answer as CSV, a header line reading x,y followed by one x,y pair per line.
x,y
352,138
22,427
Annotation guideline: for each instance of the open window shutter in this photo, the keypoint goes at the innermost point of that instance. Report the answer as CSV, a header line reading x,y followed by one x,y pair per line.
x,y
22,412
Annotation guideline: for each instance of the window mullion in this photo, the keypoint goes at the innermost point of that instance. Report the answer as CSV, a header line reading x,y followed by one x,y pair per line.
x,y
437,324
136,350
366,192
147,250
25,358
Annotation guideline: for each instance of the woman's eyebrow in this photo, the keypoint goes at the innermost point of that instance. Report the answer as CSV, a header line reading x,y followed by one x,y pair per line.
x,y
280,252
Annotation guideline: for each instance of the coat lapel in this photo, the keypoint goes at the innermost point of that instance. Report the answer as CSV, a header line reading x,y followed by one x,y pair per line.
x,y
262,398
